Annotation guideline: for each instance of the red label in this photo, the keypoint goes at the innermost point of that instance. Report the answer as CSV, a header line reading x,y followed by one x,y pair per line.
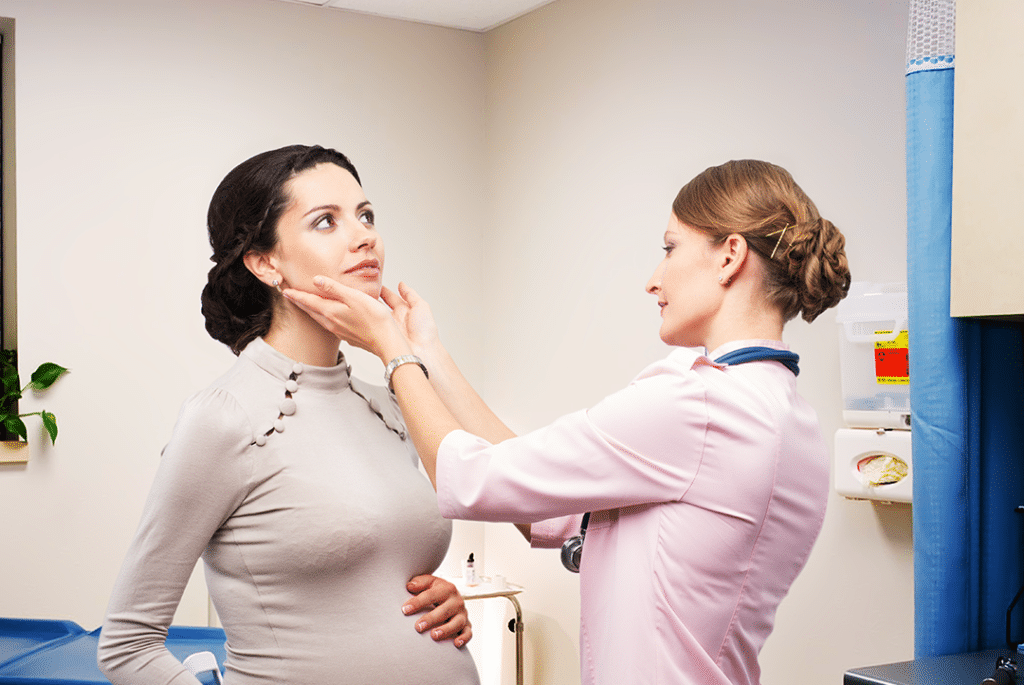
x,y
892,366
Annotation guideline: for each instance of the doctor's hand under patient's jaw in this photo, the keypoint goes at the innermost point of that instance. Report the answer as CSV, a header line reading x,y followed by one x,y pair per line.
x,y
357,318
414,318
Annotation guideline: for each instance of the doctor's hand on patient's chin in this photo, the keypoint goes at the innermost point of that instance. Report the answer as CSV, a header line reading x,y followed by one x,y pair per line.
x,y
446,617
414,318
352,315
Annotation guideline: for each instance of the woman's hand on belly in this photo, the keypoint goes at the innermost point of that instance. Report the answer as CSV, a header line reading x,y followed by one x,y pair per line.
x,y
446,616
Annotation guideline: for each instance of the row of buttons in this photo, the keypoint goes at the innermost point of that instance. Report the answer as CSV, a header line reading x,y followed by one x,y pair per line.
x,y
288,407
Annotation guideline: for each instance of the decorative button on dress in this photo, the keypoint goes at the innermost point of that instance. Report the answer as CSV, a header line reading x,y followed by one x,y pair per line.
x,y
296,486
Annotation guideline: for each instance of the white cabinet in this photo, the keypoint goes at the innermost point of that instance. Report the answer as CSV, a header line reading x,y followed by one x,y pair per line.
x,y
987,274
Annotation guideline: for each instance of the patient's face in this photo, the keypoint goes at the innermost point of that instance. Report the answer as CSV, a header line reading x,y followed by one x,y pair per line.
x,y
328,230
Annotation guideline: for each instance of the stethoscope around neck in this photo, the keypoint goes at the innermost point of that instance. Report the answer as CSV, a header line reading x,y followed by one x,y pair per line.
x,y
572,549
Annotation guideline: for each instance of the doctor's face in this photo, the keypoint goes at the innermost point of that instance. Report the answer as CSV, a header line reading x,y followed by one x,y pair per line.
x,y
328,229
686,286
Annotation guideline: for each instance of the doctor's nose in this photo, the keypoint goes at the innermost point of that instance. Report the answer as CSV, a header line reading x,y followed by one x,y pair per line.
x,y
654,284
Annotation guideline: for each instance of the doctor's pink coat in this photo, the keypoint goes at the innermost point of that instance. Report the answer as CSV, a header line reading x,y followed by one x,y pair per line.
x,y
708,486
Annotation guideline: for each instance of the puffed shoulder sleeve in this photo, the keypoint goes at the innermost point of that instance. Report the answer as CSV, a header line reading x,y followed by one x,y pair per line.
x,y
640,445
203,476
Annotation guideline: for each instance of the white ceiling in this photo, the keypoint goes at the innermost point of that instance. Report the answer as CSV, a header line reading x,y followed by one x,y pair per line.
x,y
473,15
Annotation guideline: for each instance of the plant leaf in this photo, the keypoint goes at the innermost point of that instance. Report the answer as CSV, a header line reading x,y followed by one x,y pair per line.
x,y
10,379
17,426
50,423
46,375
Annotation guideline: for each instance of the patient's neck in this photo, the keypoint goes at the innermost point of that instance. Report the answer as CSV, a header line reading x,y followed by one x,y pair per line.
x,y
297,336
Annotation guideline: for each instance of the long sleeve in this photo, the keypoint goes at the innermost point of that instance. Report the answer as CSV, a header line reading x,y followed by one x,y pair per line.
x,y
200,481
643,444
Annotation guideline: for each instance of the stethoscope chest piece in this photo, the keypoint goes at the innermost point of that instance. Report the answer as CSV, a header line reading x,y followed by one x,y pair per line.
x,y
572,549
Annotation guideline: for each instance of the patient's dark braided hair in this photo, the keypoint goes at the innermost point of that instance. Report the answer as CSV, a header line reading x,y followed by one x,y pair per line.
x,y
242,218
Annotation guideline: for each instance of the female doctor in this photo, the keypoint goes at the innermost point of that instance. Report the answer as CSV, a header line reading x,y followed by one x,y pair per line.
x,y
706,477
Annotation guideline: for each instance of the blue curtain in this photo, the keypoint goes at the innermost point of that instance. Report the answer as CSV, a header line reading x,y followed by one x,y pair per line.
x,y
967,410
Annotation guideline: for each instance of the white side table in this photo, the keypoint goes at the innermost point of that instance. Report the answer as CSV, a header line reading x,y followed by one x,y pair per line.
x,y
485,590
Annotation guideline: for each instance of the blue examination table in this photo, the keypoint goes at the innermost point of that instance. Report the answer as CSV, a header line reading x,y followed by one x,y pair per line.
x,y
46,652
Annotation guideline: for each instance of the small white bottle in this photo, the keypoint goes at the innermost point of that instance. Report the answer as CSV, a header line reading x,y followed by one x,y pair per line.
x,y
469,572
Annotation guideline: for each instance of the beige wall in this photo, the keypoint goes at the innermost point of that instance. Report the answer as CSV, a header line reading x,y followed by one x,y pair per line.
x,y
522,178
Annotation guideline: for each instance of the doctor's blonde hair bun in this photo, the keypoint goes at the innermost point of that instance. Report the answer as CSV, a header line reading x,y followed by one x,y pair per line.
x,y
806,271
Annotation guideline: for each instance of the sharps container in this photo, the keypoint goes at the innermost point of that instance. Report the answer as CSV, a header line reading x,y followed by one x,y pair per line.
x,y
873,354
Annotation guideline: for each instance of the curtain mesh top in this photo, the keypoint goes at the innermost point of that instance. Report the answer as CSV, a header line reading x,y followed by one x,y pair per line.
x,y
931,35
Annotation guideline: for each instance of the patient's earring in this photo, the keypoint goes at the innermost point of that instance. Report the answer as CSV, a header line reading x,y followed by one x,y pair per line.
x,y
276,284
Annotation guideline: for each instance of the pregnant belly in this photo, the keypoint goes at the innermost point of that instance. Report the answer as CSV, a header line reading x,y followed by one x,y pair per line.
x,y
366,642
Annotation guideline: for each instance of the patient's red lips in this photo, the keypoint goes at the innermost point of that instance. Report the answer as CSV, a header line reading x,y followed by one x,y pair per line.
x,y
368,268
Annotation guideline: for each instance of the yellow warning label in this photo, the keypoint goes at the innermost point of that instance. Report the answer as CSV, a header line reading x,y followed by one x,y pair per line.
x,y
892,364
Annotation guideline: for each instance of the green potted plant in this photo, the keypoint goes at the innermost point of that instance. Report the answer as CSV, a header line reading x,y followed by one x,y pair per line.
x,y
42,378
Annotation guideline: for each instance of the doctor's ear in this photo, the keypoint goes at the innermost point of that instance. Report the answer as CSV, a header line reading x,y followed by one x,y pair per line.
x,y
263,267
733,254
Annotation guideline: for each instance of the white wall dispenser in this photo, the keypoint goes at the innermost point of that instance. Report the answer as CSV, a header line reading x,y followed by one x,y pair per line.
x,y
873,454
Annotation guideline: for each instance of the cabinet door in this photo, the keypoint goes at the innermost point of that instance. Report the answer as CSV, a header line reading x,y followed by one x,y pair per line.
x,y
987,273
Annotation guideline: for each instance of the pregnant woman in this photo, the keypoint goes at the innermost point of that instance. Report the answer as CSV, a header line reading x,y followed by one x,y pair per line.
x,y
295,483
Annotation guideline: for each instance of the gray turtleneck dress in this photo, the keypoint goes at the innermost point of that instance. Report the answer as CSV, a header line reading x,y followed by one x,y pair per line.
x,y
299,490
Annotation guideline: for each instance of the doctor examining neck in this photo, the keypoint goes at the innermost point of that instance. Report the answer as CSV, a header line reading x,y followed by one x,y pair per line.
x,y
693,496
